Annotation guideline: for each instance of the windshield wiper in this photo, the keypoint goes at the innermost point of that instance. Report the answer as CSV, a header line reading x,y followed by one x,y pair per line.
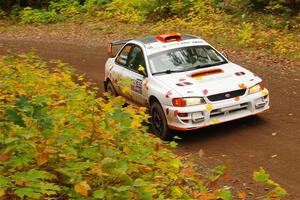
x,y
210,65
168,72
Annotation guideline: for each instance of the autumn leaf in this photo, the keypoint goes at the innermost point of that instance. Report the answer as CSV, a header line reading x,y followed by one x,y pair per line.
x,y
5,156
2,192
241,195
42,158
82,188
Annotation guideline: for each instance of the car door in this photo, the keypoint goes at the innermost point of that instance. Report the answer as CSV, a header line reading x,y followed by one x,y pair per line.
x,y
137,73
121,84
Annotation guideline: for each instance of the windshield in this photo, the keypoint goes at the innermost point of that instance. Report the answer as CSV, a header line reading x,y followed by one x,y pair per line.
x,y
185,59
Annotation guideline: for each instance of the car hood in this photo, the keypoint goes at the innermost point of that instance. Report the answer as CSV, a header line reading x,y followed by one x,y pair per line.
x,y
209,81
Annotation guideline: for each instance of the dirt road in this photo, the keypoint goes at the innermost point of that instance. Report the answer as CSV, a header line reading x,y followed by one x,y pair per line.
x,y
271,140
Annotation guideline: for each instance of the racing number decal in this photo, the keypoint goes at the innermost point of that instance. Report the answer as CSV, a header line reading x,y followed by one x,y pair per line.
x,y
137,86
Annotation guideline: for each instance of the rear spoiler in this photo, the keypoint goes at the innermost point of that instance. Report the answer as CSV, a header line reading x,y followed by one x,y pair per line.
x,y
113,44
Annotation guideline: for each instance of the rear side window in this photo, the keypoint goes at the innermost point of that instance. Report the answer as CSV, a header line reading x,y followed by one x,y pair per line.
x,y
123,55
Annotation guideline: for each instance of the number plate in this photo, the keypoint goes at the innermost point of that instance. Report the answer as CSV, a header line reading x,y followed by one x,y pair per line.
x,y
230,108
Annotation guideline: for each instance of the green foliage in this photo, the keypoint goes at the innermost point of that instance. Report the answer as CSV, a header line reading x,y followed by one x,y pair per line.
x,y
131,11
236,23
57,139
29,15
277,193
2,14
15,10
245,34
66,8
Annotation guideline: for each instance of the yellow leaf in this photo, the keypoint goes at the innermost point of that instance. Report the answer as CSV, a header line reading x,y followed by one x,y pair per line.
x,y
241,195
42,158
2,192
126,90
82,188
96,170
135,124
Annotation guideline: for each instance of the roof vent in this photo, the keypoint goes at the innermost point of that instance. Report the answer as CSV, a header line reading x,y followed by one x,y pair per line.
x,y
169,37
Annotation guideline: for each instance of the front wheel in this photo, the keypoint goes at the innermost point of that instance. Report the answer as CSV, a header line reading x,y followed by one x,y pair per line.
x,y
110,89
159,123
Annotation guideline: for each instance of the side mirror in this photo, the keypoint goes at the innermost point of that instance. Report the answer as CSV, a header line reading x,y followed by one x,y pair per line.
x,y
109,50
142,70
225,54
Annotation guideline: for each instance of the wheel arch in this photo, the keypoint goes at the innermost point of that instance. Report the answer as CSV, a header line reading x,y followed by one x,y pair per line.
x,y
153,99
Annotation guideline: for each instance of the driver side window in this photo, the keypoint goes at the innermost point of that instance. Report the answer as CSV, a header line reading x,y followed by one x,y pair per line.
x,y
136,59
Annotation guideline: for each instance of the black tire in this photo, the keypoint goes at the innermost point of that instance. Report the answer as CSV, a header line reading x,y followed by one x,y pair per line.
x,y
110,88
159,122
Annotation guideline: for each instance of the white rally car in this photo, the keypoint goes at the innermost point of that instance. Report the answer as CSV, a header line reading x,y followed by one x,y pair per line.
x,y
184,81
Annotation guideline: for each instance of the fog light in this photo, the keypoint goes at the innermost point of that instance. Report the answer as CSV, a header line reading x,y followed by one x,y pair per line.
x,y
260,103
185,121
197,117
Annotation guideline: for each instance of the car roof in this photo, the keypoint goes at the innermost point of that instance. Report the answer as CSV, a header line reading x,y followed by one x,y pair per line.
x,y
153,39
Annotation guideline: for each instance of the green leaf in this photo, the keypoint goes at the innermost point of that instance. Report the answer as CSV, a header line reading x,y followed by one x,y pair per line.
x,y
177,137
27,192
261,176
108,163
280,192
176,163
122,165
4,182
173,144
33,175
99,194
122,188
176,192
225,194
215,173
139,183
13,116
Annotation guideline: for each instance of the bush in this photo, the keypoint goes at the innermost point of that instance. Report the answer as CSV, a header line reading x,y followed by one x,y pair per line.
x,y
15,11
58,140
2,14
245,34
29,15
131,11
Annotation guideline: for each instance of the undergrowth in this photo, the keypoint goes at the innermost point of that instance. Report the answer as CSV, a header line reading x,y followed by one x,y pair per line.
x,y
58,140
269,26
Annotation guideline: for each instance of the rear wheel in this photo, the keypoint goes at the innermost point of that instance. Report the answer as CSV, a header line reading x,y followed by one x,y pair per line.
x,y
110,88
159,123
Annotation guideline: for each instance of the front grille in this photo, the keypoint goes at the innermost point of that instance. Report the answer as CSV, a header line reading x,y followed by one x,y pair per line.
x,y
226,95
219,112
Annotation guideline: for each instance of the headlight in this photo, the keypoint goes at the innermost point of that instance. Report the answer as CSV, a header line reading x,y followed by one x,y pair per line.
x,y
182,102
256,88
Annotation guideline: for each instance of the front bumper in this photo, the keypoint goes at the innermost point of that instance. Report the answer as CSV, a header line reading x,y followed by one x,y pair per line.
x,y
194,117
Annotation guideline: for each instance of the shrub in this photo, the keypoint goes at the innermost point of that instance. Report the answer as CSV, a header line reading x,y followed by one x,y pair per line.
x,y
58,140
245,34
131,11
29,15
66,8
15,11
2,13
